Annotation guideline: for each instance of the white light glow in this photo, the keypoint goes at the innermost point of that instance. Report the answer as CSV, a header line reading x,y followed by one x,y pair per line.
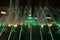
x,y
48,17
42,26
15,25
35,18
2,12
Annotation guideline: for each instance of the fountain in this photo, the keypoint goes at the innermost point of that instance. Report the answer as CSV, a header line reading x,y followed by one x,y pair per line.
x,y
19,15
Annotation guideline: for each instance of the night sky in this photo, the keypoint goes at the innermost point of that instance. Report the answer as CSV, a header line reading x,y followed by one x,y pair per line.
x,y
53,3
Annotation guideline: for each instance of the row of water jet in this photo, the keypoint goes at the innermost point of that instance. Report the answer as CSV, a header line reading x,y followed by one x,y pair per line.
x,y
43,14
15,16
18,20
27,21
56,22
5,19
39,14
48,12
40,21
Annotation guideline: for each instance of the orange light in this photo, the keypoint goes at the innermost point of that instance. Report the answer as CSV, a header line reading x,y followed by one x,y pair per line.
x,y
49,25
9,25
2,12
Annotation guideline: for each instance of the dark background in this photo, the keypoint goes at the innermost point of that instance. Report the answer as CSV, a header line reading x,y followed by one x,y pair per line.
x,y
52,3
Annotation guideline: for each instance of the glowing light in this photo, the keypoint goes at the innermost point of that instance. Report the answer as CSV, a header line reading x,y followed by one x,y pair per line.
x,y
2,12
15,25
30,15
49,25
2,24
48,17
30,21
29,18
35,18
9,25
34,24
42,26
58,25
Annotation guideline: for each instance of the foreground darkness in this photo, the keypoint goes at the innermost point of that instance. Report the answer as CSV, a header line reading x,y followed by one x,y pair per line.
x,y
35,33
